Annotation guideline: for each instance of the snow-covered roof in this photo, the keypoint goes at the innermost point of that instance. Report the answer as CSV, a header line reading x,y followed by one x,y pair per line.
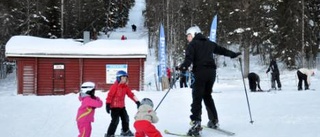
x,y
29,46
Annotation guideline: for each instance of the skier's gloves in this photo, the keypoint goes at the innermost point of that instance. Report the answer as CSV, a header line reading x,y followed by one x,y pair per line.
x,y
138,104
236,55
108,108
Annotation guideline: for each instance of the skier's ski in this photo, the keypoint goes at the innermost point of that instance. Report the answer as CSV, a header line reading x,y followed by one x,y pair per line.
x,y
105,135
220,130
260,90
270,90
273,90
176,134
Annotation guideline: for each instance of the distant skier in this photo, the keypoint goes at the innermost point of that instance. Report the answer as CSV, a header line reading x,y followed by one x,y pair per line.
x,y
275,75
169,76
123,37
144,119
184,78
134,27
304,75
254,82
89,102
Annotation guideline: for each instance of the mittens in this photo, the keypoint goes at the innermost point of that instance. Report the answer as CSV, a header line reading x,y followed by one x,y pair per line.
x,y
138,104
235,55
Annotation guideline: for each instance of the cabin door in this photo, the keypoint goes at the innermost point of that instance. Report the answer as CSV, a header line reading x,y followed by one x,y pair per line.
x,y
58,79
28,80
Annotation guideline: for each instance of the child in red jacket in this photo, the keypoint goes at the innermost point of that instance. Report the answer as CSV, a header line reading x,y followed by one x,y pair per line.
x,y
85,113
116,103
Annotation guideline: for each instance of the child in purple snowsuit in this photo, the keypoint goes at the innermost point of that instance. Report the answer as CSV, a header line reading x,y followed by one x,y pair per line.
x,y
86,111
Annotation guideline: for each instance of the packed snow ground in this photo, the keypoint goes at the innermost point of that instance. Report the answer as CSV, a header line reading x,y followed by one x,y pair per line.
x,y
286,113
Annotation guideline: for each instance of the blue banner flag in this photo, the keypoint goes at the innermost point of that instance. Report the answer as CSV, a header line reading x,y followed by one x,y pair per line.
x,y
162,53
213,30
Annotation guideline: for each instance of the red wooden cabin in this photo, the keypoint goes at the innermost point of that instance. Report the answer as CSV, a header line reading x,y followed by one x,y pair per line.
x,y
60,66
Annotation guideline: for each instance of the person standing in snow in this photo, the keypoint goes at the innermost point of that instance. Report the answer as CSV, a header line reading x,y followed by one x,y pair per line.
x,y
144,119
304,75
200,52
275,75
115,103
169,76
183,78
254,82
134,27
123,37
89,102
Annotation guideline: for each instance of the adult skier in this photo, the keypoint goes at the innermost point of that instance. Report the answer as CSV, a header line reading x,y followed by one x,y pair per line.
x,y
254,82
200,52
304,75
275,75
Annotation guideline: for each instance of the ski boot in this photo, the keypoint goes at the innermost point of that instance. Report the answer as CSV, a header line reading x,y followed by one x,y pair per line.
x,y
195,129
213,124
127,133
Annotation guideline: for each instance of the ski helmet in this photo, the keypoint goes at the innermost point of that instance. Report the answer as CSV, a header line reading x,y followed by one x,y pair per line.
x,y
120,74
87,88
193,31
147,101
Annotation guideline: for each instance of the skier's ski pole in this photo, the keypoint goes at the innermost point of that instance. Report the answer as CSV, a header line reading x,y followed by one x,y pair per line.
x,y
165,94
245,89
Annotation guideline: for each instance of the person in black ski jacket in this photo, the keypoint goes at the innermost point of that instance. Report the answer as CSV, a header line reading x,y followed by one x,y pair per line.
x,y
134,27
254,82
199,53
275,75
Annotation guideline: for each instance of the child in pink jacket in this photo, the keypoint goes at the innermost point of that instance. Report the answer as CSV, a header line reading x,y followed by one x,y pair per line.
x,y
86,111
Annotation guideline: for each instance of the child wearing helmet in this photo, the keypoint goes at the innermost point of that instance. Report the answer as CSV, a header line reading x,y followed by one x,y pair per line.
x,y
115,103
86,110
144,117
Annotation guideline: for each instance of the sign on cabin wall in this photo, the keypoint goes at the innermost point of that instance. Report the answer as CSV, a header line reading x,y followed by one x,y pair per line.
x,y
112,70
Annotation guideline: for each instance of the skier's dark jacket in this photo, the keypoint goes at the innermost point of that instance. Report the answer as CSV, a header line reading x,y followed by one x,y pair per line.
x,y
273,67
200,52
